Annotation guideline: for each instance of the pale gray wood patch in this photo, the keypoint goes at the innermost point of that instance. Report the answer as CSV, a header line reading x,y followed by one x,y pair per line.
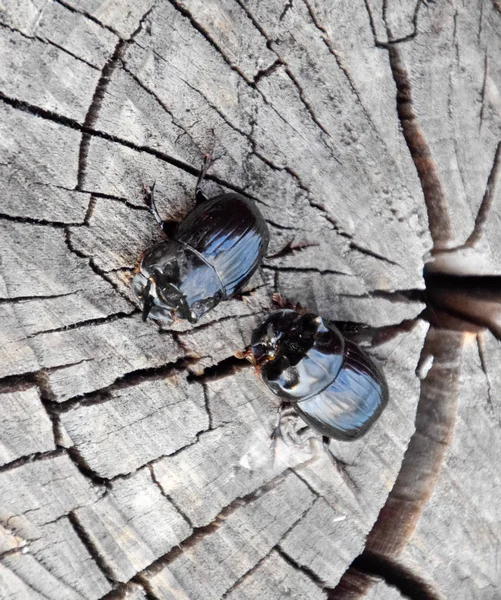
x,y
119,15
36,185
137,424
61,26
381,591
76,34
216,561
274,579
42,491
324,542
116,235
221,341
53,563
95,356
235,34
45,76
234,459
25,427
133,525
122,172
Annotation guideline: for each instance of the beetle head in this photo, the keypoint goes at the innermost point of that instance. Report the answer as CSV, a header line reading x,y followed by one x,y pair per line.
x,y
160,298
267,339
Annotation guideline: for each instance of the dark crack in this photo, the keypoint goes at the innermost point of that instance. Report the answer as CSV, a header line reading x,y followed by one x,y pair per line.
x,y
433,191
483,365
224,368
281,269
88,323
309,573
48,42
84,468
91,548
408,583
151,469
128,380
87,15
485,207
482,93
34,221
94,108
29,458
22,299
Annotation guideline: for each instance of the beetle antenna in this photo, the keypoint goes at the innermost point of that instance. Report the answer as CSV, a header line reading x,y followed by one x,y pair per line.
x,y
147,301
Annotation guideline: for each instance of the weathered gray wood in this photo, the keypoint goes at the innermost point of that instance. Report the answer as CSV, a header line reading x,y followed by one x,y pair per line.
x,y
216,561
132,526
129,468
134,425
275,578
25,427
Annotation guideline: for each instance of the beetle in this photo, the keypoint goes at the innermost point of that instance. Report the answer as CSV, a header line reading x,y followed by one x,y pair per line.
x,y
213,253
330,381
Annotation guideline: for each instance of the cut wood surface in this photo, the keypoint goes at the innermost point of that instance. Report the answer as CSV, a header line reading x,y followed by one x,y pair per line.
x,y
135,458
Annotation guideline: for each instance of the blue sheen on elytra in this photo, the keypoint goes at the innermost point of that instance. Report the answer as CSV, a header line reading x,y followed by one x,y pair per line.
x,y
332,383
214,252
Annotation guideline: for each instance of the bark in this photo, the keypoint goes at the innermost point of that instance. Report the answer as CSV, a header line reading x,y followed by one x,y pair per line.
x,y
135,459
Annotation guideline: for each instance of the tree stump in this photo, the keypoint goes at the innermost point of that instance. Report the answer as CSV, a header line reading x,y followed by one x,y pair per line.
x,y
135,457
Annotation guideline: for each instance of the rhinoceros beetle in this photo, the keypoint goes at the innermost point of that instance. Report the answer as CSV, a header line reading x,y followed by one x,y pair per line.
x,y
213,253
330,381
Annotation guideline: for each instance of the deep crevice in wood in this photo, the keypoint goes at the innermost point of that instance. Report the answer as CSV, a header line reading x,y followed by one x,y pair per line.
x,y
36,456
128,380
473,300
310,574
408,583
151,469
88,323
33,221
433,191
200,532
93,111
91,548
224,368
49,43
82,465
87,16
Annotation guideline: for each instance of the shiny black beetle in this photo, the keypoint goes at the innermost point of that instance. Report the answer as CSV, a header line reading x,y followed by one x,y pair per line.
x,y
330,381
213,253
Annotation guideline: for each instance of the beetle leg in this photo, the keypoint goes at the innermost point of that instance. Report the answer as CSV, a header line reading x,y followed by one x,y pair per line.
x,y
168,227
199,194
277,430
339,464
281,302
149,198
